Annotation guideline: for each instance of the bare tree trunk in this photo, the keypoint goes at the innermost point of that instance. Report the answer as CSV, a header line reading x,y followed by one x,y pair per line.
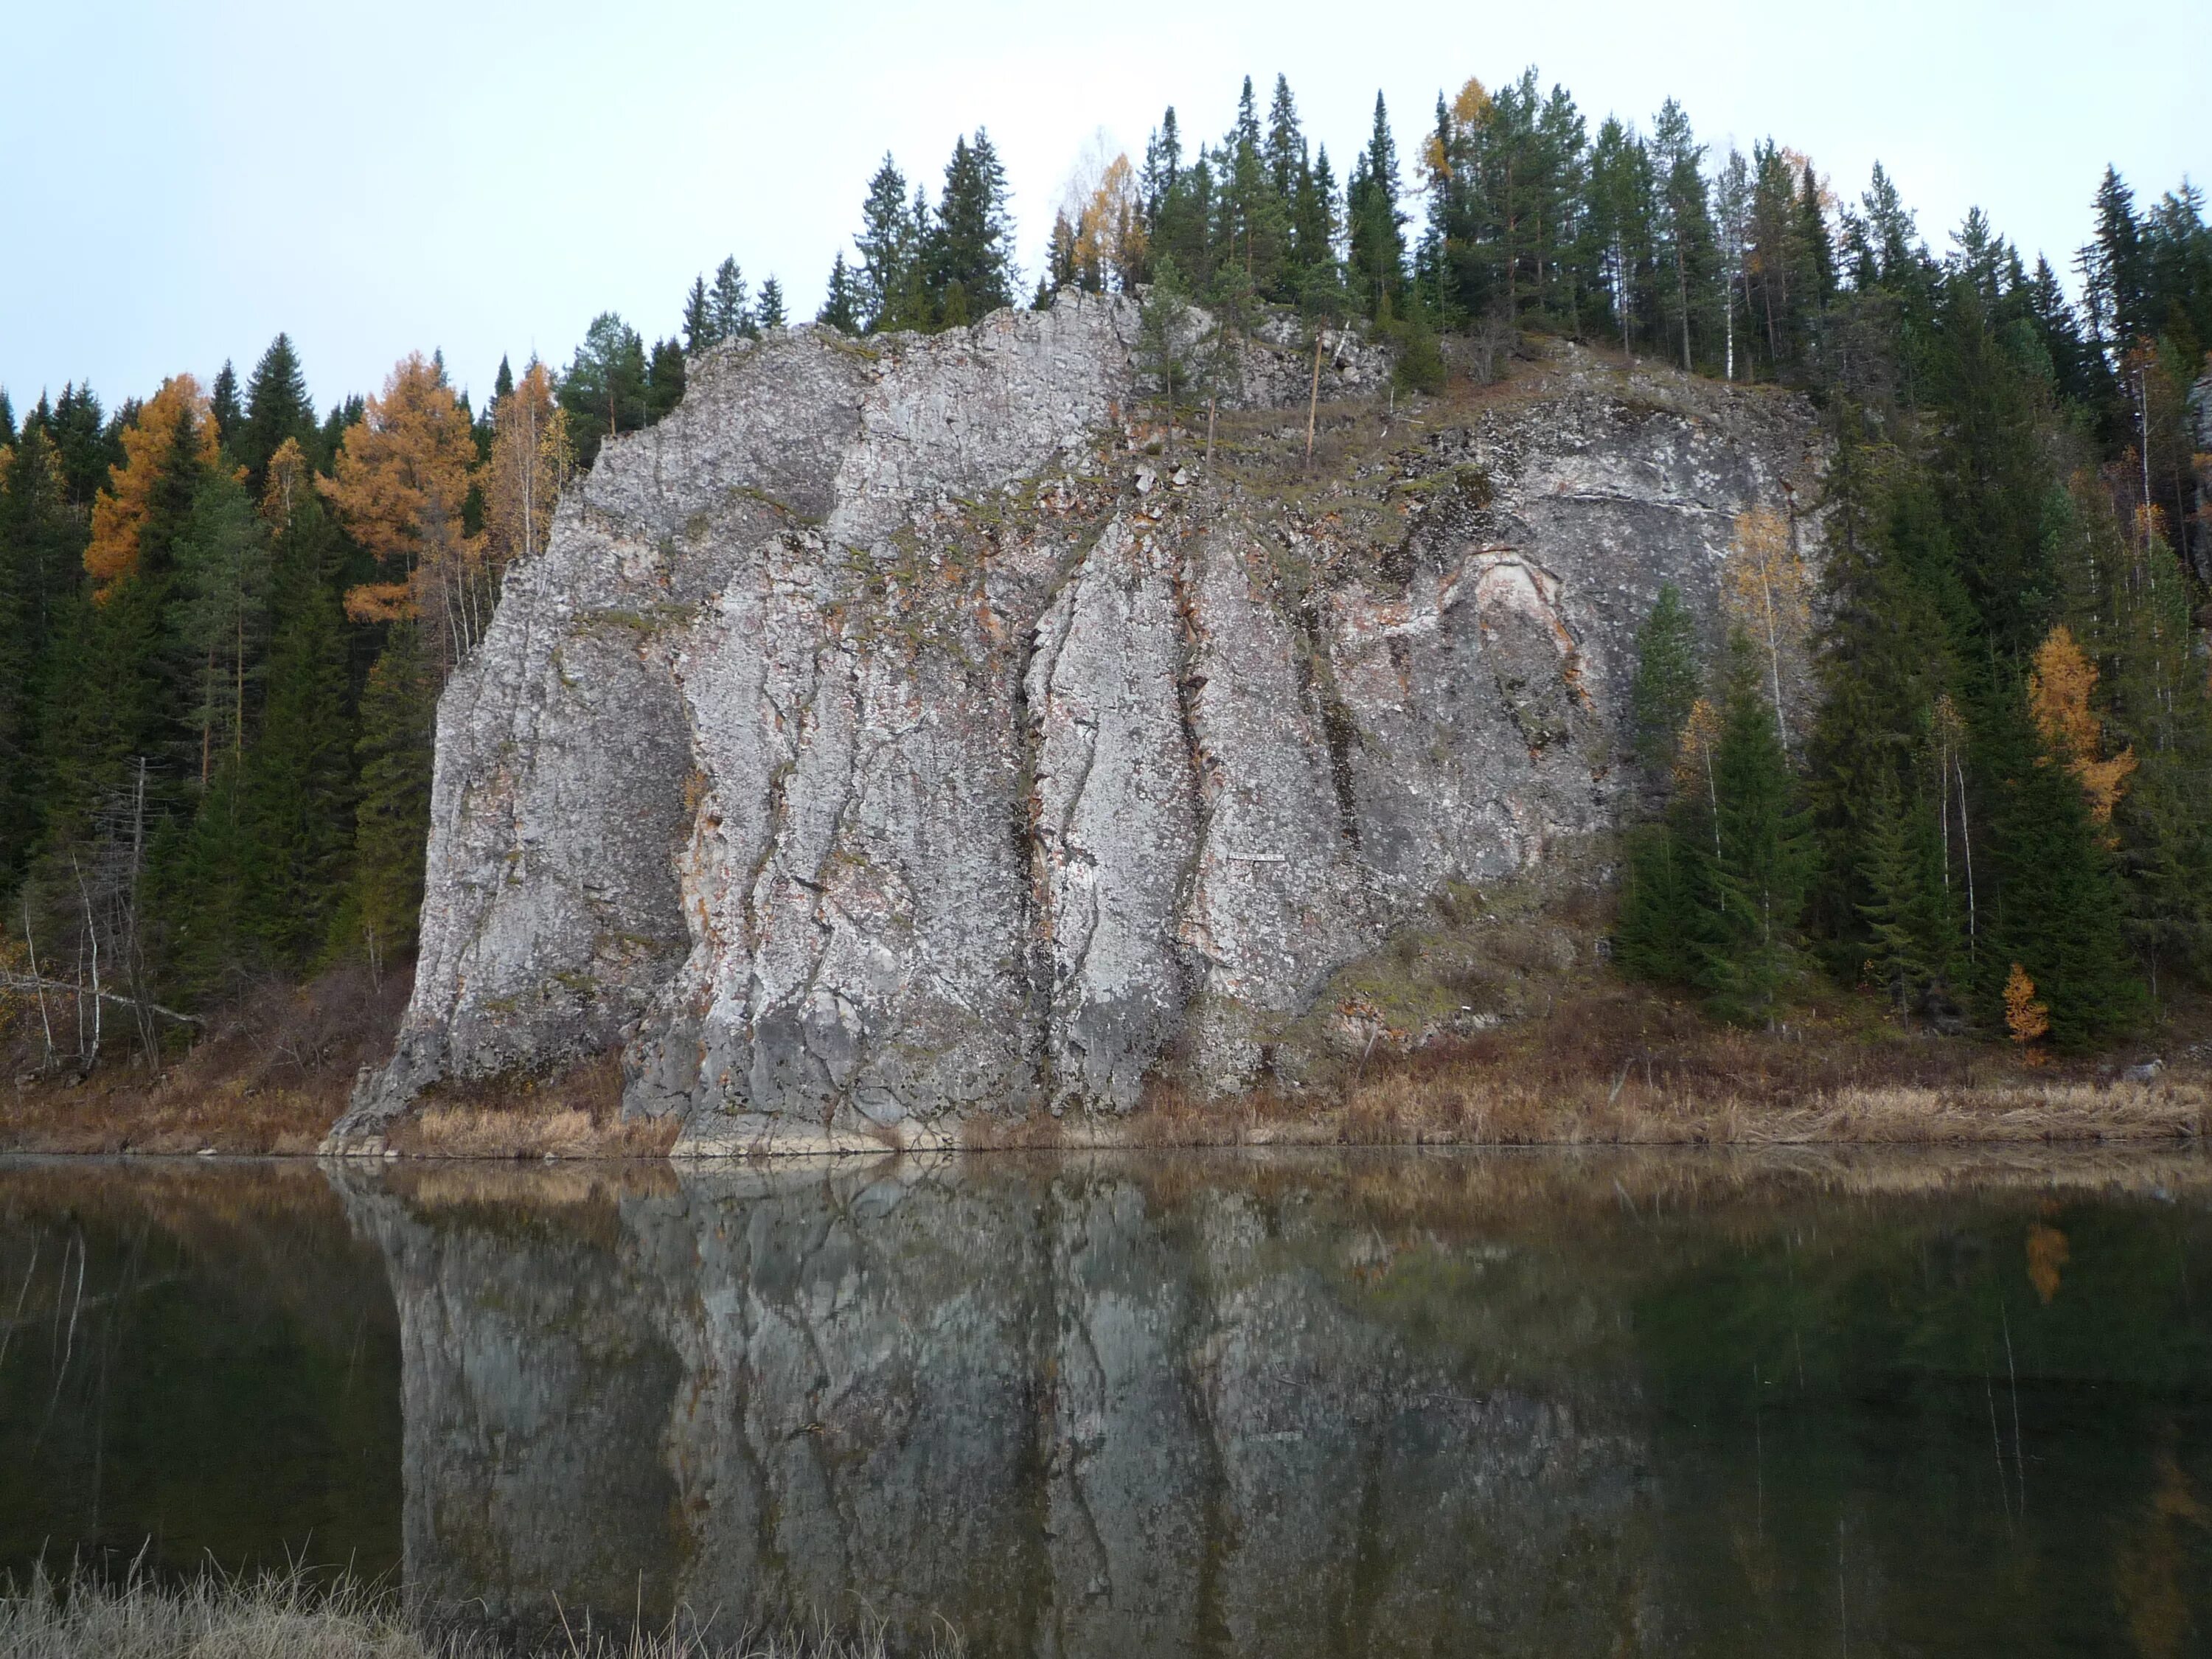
x,y
1966,841
1313,400
46,1024
88,1061
1682,287
133,961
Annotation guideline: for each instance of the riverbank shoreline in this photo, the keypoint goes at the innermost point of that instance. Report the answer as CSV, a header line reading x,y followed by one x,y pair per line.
x,y
1392,1113
1606,1063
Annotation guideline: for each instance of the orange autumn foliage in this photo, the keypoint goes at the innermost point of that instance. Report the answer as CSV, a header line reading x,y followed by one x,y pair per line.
x,y
401,481
119,511
2028,1020
2047,1252
2058,690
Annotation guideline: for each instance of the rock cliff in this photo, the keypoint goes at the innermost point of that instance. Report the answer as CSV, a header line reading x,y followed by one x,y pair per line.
x,y
911,727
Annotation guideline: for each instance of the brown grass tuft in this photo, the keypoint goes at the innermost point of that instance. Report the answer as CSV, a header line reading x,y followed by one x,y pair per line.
x,y
574,1113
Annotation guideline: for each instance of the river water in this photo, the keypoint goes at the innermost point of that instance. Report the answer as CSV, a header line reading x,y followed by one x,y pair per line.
x,y
1361,1403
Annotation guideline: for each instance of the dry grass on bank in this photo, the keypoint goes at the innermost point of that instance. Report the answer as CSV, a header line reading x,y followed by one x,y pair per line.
x,y
271,1077
293,1616
576,1113
1612,1065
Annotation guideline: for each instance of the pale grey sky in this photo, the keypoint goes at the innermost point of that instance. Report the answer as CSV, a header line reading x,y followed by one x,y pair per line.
x,y
182,182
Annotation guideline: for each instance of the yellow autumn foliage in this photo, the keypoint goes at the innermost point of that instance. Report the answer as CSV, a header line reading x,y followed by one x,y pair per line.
x,y
2059,688
289,476
531,462
119,511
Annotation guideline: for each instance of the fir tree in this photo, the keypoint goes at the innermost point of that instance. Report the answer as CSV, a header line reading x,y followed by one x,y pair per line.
x,y
222,404
771,312
699,330
664,379
841,305
1375,222
969,250
887,286
728,306
1757,887
378,918
277,408
1667,679
298,777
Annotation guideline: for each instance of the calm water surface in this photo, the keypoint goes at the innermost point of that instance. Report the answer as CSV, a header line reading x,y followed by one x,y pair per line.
x,y
1383,1403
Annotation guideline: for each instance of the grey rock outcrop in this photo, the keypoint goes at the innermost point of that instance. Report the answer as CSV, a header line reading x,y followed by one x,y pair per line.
x,y
900,731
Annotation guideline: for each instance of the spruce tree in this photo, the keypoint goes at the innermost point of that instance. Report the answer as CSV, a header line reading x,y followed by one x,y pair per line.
x,y
1757,886
699,328
885,286
298,781
1375,222
392,817
727,306
223,406
771,311
841,305
2051,901
1667,680
664,380
969,252
277,408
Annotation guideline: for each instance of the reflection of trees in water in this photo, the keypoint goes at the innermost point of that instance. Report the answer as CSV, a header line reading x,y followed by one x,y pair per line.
x,y
192,1361
1286,1405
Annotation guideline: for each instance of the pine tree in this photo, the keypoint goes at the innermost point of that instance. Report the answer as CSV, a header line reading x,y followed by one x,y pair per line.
x,y
2115,284
1660,922
1160,358
2051,901
1684,225
37,545
886,285
605,388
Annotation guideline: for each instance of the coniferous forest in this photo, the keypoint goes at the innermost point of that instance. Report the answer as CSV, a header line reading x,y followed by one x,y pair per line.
x,y
227,608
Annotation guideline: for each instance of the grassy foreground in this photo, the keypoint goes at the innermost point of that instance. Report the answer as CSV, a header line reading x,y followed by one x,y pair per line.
x,y
289,1616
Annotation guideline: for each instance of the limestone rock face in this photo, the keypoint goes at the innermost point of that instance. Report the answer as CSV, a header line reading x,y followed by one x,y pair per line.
x,y
903,729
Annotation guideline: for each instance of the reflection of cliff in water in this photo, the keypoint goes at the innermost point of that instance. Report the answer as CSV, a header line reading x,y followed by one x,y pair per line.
x,y
1073,1409
1306,1405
